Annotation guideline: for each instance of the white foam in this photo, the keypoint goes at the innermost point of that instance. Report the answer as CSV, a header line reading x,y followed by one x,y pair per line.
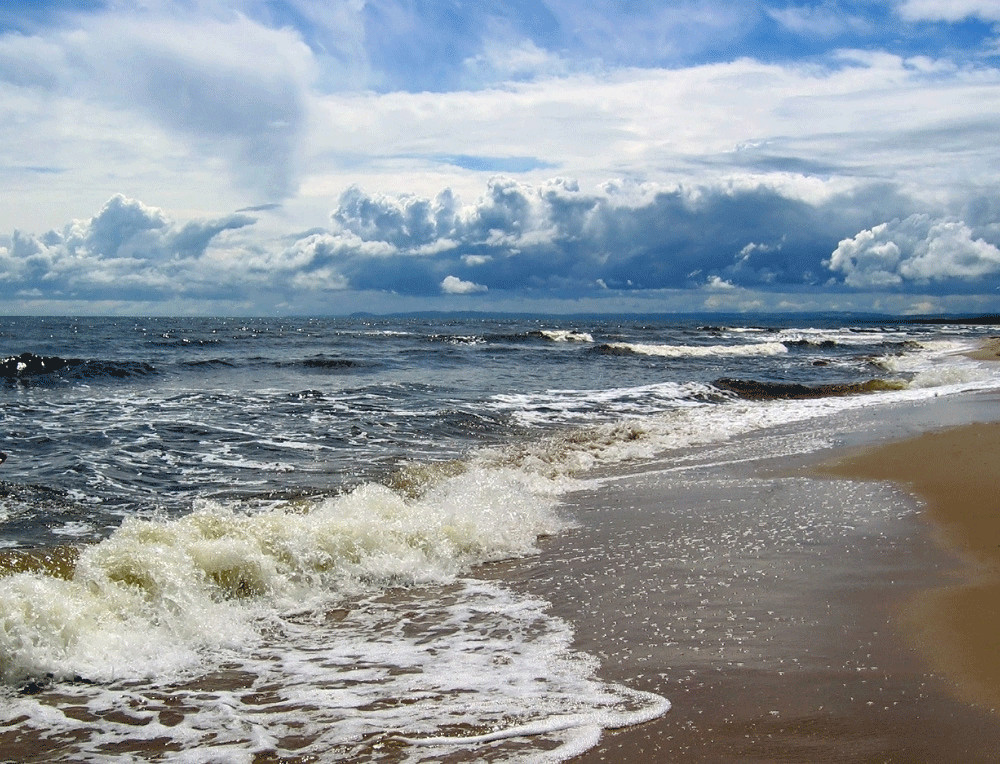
x,y
470,669
937,371
567,335
139,600
77,528
701,351
841,336
564,406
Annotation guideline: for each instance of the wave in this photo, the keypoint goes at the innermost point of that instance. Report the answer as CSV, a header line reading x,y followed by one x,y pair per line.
x,y
476,672
210,363
718,329
457,339
287,612
549,335
29,366
575,406
137,602
563,335
697,415
320,362
692,351
764,391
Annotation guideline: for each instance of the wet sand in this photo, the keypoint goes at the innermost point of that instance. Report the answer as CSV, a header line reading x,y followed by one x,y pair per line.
x,y
957,473
990,351
790,616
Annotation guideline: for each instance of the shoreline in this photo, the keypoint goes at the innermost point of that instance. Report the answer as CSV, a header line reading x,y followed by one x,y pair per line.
x,y
787,612
990,350
954,472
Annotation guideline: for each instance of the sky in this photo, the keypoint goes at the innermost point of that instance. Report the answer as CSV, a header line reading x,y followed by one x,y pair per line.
x,y
323,157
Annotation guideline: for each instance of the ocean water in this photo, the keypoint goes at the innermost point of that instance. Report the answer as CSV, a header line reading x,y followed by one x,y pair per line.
x,y
257,540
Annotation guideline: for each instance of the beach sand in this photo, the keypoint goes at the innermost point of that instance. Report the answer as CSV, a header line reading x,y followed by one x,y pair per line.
x,y
957,473
790,615
990,351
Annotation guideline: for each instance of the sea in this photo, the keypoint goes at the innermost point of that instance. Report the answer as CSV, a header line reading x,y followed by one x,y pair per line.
x,y
266,539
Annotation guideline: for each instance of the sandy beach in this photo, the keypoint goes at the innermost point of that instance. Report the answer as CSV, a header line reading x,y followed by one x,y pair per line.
x,y
811,612
955,472
990,351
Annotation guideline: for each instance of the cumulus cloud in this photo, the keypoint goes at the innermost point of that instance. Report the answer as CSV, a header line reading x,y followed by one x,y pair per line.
x,y
455,285
556,237
406,222
550,240
126,245
918,249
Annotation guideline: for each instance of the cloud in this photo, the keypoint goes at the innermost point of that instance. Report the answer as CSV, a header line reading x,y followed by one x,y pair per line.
x,y
455,285
917,249
826,20
949,10
476,259
231,89
551,240
648,32
127,246
553,237
405,221
715,283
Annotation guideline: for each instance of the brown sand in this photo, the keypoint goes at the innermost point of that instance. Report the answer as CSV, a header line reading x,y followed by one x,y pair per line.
x,y
790,616
990,351
957,473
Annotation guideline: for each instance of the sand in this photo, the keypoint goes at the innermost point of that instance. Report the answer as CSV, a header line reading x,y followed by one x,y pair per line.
x,y
990,351
957,473
789,615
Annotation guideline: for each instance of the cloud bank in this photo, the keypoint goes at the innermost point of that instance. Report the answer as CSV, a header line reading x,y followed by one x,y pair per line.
x,y
551,243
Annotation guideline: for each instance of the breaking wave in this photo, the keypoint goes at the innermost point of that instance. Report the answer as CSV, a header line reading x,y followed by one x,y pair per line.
x,y
137,603
693,351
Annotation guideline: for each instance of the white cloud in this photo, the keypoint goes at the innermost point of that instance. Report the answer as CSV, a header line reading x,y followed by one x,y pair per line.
x,y
503,60
826,20
406,221
473,260
322,279
815,129
949,251
126,245
714,283
455,285
949,10
186,106
918,249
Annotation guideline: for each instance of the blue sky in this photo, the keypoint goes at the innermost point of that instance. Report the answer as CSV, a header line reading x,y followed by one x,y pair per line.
x,y
284,156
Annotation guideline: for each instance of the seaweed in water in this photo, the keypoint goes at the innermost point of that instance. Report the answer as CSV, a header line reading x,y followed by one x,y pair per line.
x,y
767,391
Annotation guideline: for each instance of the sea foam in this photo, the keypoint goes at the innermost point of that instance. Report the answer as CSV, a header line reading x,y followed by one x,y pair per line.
x,y
158,592
697,351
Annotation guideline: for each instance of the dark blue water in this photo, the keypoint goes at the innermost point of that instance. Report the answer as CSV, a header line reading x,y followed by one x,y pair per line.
x,y
104,417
